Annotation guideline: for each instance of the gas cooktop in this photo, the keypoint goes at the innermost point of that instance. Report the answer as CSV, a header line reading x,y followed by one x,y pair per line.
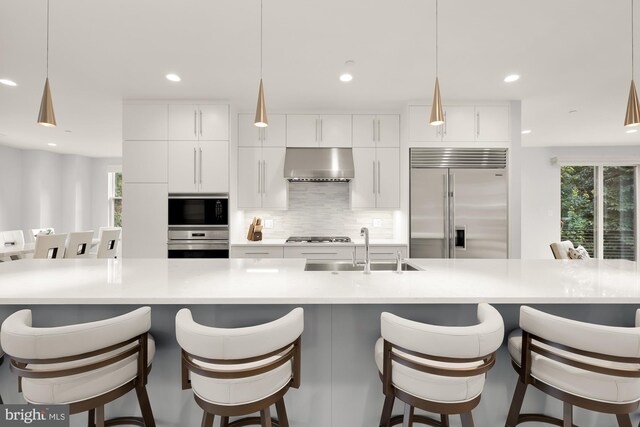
x,y
319,239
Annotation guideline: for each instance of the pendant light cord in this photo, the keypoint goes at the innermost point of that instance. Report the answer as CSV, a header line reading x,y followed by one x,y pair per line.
x,y
436,39
632,46
47,38
260,39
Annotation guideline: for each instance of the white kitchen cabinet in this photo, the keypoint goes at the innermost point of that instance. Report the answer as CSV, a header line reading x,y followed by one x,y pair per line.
x,y
309,130
142,122
261,183
327,252
257,251
492,123
198,166
274,135
419,128
382,253
144,161
198,122
145,220
382,130
376,183
458,123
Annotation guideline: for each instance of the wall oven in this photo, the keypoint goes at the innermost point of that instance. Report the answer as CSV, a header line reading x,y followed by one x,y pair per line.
x,y
198,226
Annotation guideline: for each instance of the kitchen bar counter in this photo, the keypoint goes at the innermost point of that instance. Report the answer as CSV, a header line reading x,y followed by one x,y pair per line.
x,y
284,281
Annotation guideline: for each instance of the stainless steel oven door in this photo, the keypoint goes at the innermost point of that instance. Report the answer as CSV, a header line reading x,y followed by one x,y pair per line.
x,y
198,249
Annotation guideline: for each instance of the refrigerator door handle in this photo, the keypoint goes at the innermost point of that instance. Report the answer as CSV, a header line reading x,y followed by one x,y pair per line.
x,y
452,220
446,215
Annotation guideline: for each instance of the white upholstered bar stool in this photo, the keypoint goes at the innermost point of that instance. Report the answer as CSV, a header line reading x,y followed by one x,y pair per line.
x,y
84,366
582,364
108,242
439,369
49,246
78,244
241,371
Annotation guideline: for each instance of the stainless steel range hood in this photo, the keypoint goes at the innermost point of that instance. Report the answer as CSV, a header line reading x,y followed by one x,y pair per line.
x,y
319,164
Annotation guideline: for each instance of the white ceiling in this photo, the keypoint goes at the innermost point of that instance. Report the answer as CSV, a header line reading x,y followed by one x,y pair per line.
x,y
572,55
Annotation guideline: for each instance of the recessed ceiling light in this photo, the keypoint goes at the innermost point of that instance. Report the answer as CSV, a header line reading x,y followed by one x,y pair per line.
x,y
173,77
347,72
8,82
51,144
511,78
526,131
632,131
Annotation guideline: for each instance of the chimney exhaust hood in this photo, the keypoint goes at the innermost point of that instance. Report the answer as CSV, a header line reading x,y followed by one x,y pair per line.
x,y
319,164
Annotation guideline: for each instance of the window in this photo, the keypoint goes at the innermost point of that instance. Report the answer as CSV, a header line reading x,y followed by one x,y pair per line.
x,y
115,199
598,209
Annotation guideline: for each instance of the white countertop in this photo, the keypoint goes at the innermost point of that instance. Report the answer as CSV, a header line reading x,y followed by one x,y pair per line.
x,y
283,281
354,242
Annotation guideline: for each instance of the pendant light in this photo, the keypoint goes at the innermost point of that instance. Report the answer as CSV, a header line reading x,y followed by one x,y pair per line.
x,y
632,118
437,114
261,109
47,116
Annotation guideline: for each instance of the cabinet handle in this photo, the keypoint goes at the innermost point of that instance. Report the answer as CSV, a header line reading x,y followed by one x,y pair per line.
x,y
257,253
200,166
264,176
320,130
316,130
264,134
319,253
477,124
194,165
195,119
259,178
374,177
200,122
378,130
378,176
445,123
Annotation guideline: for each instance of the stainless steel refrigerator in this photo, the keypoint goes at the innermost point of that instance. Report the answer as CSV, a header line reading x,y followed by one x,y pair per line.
x,y
458,203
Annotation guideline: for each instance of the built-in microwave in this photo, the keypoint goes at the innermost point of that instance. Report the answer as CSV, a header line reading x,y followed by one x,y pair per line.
x,y
198,210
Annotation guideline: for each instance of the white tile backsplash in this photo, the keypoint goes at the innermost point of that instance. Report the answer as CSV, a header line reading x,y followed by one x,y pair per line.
x,y
322,208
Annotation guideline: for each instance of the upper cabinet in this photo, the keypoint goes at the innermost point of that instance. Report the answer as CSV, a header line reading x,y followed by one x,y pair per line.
x,y
463,123
328,130
198,122
382,130
377,178
492,123
274,135
142,122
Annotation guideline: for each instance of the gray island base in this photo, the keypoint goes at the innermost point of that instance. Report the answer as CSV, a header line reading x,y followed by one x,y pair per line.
x,y
340,384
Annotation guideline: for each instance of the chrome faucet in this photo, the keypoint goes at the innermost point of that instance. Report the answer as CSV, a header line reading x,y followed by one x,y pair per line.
x,y
399,262
364,231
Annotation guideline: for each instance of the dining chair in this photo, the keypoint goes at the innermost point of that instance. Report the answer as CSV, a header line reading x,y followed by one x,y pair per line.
x,y
12,238
561,249
35,232
108,239
78,244
49,246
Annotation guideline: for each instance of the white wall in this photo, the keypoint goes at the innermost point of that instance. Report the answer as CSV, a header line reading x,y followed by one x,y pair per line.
x,y
44,189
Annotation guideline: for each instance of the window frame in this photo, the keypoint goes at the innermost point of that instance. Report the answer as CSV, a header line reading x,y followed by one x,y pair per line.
x,y
111,192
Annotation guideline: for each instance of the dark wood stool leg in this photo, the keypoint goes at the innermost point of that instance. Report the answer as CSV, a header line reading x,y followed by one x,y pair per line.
x,y
207,419
145,406
100,416
467,419
624,420
516,404
407,420
224,422
567,414
387,408
444,420
265,417
91,418
283,421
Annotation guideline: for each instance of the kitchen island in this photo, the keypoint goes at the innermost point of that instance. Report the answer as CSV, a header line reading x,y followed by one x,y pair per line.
x,y
340,386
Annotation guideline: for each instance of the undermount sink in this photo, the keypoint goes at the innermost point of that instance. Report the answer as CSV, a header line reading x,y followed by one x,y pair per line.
x,y
348,266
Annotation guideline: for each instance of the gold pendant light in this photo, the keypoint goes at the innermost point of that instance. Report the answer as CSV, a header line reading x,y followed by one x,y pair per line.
x,y
47,116
261,109
437,114
632,118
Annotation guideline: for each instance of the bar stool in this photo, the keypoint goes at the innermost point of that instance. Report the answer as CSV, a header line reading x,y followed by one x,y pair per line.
x,y
438,369
237,372
582,364
84,366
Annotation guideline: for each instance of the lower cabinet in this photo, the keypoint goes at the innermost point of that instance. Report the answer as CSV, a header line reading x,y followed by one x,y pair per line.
x,y
323,252
256,252
145,219
382,253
